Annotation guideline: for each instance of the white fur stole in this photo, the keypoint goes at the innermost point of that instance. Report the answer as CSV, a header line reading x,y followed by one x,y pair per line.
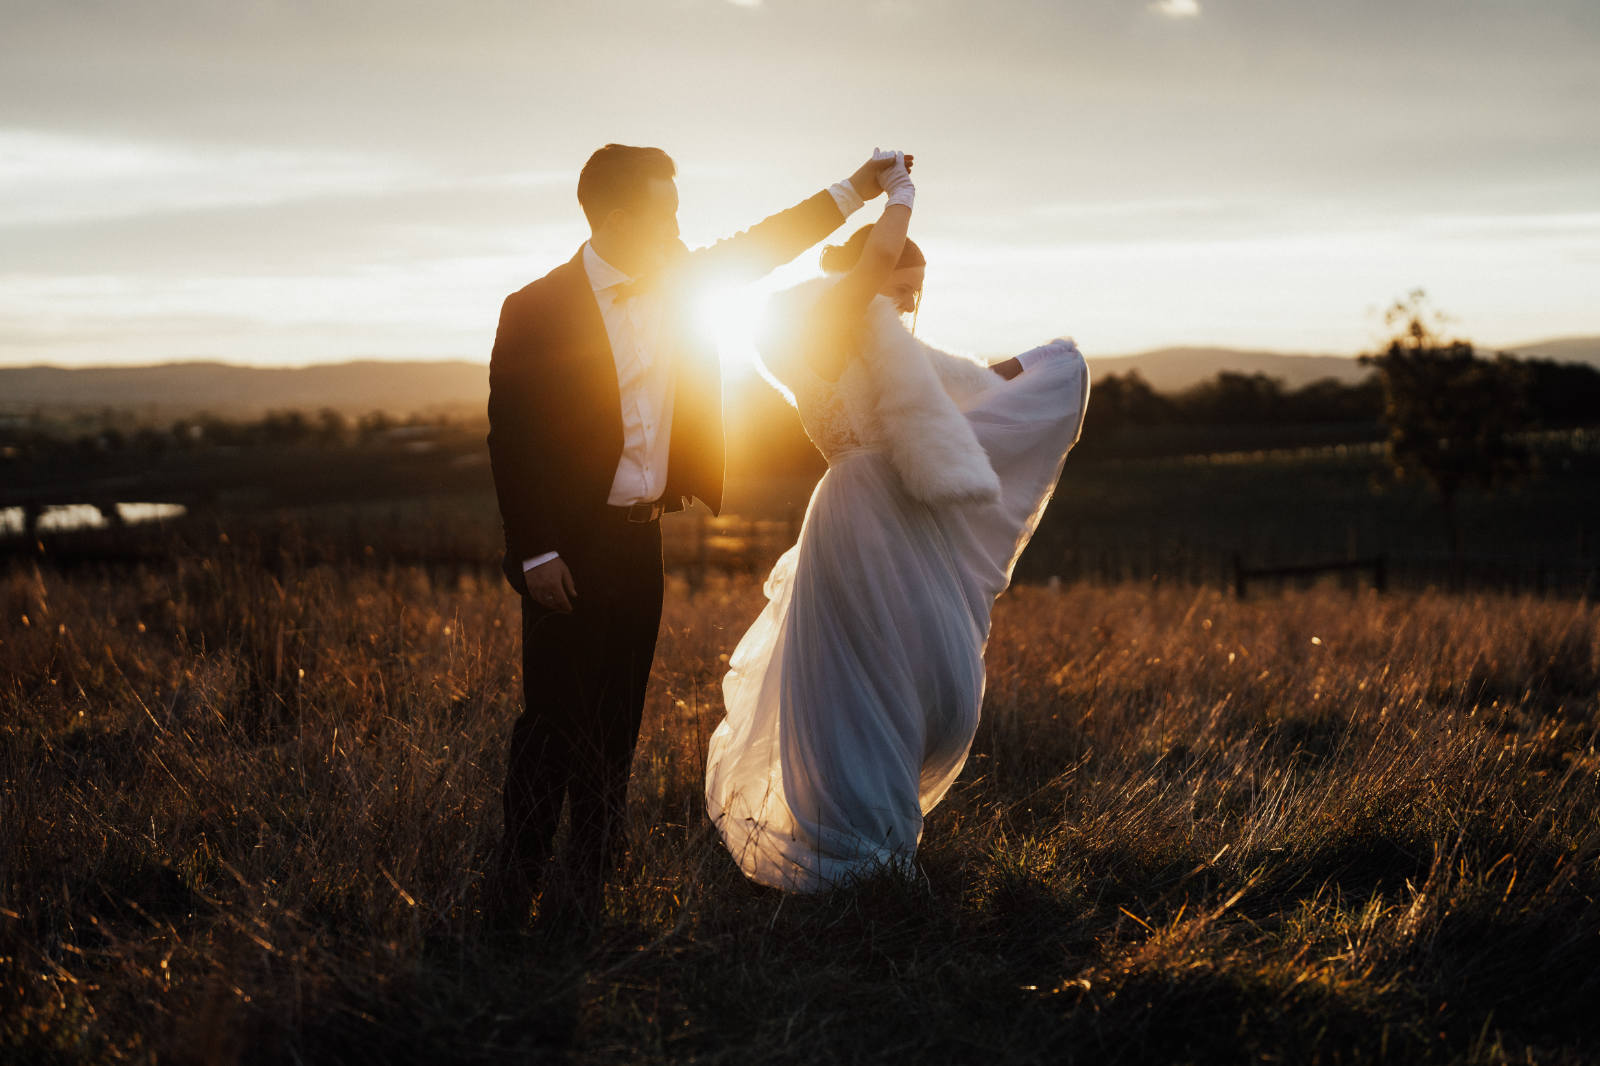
x,y
915,392
931,444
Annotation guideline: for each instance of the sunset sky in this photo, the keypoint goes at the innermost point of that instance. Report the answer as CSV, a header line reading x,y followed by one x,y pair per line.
x,y
291,182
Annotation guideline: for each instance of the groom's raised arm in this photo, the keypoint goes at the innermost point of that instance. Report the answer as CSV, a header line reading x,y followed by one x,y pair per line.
x,y
772,242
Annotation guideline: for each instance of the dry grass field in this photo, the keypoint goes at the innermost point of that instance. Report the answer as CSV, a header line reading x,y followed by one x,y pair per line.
x,y
245,811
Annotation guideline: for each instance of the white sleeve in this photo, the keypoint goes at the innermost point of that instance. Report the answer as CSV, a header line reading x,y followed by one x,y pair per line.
x,y
963,378
538,560
1061,346
844,194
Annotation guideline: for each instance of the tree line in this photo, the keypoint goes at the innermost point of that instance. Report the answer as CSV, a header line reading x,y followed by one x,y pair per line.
x,y
1548,395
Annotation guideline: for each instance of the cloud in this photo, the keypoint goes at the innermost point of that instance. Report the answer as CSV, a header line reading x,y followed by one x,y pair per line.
x,y
47,177
1177,9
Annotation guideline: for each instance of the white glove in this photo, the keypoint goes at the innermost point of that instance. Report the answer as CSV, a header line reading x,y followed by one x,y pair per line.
x,y
1061,346
896,179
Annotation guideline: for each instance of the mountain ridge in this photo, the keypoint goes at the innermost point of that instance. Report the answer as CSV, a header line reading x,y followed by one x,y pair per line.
x,y
457,386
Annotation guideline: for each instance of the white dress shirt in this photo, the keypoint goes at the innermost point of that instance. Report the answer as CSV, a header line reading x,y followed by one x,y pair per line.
x,y
645,384
646,376
645,379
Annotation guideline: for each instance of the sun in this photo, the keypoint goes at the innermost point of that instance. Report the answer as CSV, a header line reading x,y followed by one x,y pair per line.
x,y
730,317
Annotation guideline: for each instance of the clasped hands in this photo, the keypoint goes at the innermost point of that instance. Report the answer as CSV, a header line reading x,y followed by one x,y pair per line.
x,y
886,171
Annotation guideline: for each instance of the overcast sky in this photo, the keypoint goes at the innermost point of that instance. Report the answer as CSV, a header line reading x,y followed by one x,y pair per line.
x,y
290,182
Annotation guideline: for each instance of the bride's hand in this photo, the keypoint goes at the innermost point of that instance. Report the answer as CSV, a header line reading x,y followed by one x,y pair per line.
x,y
865,179
896,179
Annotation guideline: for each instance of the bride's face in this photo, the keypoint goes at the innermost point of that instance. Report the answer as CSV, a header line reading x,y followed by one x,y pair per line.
x,y
903,287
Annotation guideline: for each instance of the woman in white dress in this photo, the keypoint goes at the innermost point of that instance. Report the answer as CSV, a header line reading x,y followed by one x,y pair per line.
x,y
853,699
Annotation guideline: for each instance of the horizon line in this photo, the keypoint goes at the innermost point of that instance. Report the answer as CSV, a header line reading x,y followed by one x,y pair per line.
x,y
336,361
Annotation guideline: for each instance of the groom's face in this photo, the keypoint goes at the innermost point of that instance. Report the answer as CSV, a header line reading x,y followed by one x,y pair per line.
x,y
649,229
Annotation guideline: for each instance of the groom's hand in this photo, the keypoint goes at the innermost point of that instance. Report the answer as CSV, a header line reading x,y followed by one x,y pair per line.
x,y
865,179
550,585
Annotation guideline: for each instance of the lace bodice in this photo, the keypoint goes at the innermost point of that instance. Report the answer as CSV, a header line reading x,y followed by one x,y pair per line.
x,y
838,416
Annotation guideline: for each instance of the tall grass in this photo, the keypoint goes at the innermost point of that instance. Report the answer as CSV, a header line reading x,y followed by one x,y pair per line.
x,y
246,809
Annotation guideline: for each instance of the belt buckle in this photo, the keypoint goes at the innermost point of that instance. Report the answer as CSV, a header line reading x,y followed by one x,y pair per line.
x,y
643,512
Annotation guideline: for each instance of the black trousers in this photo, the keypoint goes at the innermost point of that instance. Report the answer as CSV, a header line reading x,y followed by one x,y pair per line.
x,y
584,676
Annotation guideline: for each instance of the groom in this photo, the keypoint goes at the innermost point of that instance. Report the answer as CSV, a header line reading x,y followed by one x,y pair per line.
x,y
605,412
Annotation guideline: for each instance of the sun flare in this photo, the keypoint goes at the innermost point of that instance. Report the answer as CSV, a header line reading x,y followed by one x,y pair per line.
x,y
730,317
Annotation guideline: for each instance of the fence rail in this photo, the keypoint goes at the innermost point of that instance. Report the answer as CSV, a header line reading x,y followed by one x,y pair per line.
x,y
699,546
1377,566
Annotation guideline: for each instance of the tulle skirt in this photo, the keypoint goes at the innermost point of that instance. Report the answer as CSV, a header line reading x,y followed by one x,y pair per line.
x,y
853,699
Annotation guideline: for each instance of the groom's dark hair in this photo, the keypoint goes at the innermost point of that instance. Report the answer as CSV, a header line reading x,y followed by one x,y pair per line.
x,y
615,177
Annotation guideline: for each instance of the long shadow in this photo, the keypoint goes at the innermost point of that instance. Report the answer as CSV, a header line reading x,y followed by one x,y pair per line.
x,y
461,1002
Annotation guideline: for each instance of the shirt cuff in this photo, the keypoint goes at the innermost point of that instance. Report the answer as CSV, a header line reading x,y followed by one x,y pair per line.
x,y
844,194
538,560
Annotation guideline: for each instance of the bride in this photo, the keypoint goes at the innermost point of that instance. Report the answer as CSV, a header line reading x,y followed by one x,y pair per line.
x,y
853,699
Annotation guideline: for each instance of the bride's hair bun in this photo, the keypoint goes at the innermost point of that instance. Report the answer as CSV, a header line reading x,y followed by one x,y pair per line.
x,y
839,258
836,258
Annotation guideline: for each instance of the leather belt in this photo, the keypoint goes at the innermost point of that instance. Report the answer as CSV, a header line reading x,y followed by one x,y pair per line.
x,y
640,512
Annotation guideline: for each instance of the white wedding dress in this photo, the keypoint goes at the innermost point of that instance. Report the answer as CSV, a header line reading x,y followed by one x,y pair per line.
x,y
853,699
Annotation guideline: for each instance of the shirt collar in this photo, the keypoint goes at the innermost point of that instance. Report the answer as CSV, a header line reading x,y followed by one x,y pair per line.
x,y
602,275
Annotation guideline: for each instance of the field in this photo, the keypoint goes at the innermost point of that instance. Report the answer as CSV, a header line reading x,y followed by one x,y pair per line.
x,y
426,497
246,808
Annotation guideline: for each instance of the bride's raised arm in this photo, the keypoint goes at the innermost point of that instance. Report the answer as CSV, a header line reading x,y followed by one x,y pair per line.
x,y
846,303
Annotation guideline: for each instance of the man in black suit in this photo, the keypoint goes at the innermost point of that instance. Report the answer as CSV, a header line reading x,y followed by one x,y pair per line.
x,y
605,411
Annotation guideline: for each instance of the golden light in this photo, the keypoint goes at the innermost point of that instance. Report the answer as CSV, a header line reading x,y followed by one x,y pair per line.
x,y
730,316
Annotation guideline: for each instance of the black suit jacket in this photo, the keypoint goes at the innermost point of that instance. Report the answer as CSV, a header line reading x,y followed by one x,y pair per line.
x,y
555,410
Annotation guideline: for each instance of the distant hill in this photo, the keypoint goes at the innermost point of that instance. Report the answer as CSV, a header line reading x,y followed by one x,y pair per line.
x,y
171,390
1562,350
1175,369
179,389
